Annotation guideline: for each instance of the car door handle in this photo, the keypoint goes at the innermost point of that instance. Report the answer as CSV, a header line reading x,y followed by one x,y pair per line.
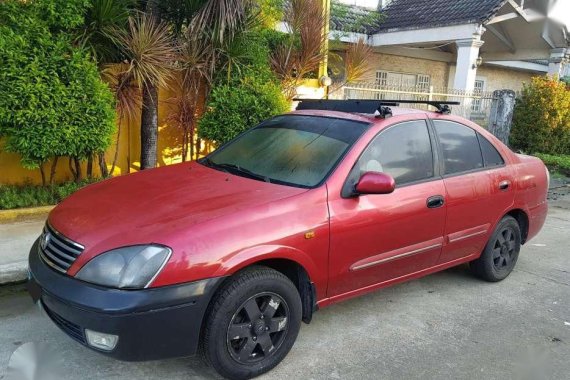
x,y
435,201
504,185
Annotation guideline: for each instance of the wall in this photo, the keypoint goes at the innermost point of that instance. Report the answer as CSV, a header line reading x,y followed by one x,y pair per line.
x,y
437,70
169,150
442,73
497,78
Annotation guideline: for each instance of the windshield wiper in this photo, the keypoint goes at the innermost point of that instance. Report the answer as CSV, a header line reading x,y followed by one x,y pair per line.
x,y
237,169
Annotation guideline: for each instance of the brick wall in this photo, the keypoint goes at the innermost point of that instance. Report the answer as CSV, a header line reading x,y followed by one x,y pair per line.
x,y
438,71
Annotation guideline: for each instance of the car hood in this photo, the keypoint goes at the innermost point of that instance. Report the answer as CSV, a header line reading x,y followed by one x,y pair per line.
x,y
149,206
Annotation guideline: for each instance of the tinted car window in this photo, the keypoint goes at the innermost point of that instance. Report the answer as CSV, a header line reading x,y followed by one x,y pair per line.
x,y
461,151
490,154
290,150
403,151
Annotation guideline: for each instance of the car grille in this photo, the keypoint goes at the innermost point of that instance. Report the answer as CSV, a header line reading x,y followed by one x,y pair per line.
x,y
71,329
58,251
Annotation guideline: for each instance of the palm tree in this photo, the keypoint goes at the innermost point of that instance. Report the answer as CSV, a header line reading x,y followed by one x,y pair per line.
x,y
151,56
301,53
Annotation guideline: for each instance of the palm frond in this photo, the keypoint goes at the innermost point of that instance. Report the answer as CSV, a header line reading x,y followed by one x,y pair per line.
x,y
357,61
150,50
222,17
128,100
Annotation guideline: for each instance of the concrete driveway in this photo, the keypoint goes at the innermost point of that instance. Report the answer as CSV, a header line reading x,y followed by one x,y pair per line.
x,y
444,326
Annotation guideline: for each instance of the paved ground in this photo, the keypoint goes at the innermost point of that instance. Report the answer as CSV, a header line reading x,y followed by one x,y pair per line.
x,y
15,242
448,325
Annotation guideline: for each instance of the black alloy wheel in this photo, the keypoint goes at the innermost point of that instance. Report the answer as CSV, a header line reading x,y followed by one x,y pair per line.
x,y
258,328
251,323
501,253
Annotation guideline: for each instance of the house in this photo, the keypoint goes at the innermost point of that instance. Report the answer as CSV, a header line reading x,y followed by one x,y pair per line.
x,y
466,45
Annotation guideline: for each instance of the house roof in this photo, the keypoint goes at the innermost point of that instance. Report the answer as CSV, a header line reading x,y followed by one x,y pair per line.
x,y
417,14
352,18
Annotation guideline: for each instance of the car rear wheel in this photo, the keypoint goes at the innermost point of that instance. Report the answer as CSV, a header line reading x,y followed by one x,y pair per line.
x,y
501,252
252,323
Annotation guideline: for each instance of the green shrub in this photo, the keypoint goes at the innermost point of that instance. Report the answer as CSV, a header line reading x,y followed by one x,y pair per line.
x,y
245,92
52,100
541,120
18,196
556,163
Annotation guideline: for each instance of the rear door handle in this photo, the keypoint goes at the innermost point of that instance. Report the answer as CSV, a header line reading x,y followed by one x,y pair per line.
x,y
504,185
435,201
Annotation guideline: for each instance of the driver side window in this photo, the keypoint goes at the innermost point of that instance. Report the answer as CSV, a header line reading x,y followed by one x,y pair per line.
x,y
404,151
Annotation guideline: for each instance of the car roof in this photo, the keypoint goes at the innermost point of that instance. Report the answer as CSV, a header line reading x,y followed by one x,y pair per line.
x,y
364,117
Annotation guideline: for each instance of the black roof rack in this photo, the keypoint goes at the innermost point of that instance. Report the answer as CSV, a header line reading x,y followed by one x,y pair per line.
x,y
380,108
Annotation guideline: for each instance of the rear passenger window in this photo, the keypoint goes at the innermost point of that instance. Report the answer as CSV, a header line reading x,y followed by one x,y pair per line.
x,y
403,151
490,154
461,151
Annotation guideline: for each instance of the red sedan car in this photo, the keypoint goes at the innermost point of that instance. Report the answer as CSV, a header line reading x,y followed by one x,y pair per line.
x,y
229,254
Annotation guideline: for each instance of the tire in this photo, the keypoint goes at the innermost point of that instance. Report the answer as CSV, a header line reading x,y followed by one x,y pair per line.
x,y
501,252
238,341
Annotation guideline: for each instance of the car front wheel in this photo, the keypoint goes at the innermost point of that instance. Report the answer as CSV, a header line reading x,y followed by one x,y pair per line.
x,y
252,323
501,252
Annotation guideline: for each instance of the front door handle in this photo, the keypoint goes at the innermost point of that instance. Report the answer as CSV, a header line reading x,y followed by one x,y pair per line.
x,y
504,185
435,201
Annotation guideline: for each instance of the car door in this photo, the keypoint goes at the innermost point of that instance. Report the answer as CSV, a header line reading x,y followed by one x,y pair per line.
x,y
477,185
377,238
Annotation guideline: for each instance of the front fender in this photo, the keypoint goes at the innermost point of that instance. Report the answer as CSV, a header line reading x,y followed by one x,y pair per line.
x,y
252,255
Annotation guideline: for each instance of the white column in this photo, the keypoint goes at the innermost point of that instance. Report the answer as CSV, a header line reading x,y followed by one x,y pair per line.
x,y
555,62
466,70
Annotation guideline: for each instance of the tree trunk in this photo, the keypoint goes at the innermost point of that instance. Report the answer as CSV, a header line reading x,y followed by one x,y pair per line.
x,y
103,165
53,167
90,166
72,169
43,174
149,126
78,175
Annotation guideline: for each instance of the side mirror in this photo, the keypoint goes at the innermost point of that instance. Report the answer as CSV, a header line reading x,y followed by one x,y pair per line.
x,y
375,183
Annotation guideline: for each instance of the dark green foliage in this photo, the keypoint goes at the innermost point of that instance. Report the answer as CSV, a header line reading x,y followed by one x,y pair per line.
x,y
102,21
52,101
244,93
541,120
17,196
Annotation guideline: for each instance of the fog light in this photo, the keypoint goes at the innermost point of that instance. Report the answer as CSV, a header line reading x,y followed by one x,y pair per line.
x,y
101,341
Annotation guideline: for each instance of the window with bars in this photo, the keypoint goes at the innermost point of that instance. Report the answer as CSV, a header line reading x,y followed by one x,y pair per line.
x,y
395,79
477,91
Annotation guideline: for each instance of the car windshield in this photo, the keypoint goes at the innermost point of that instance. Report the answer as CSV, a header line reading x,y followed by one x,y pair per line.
x,y
290,150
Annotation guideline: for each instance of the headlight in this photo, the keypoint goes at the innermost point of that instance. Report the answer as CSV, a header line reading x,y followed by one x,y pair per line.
x,y
126,268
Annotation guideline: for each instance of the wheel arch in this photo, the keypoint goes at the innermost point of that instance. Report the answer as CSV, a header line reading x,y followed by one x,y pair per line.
x,y
522,219
294,264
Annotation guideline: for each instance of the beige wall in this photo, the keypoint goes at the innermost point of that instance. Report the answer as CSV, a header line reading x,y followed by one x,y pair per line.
x,y
497,78
438,71
443,73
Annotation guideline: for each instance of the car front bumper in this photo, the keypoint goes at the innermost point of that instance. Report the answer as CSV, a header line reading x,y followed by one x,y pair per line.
x,y
151,324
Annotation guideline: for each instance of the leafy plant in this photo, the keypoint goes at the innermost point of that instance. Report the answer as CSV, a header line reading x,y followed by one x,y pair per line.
x,y
541,120
97,34
52,101
234,108
27,195
243,99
